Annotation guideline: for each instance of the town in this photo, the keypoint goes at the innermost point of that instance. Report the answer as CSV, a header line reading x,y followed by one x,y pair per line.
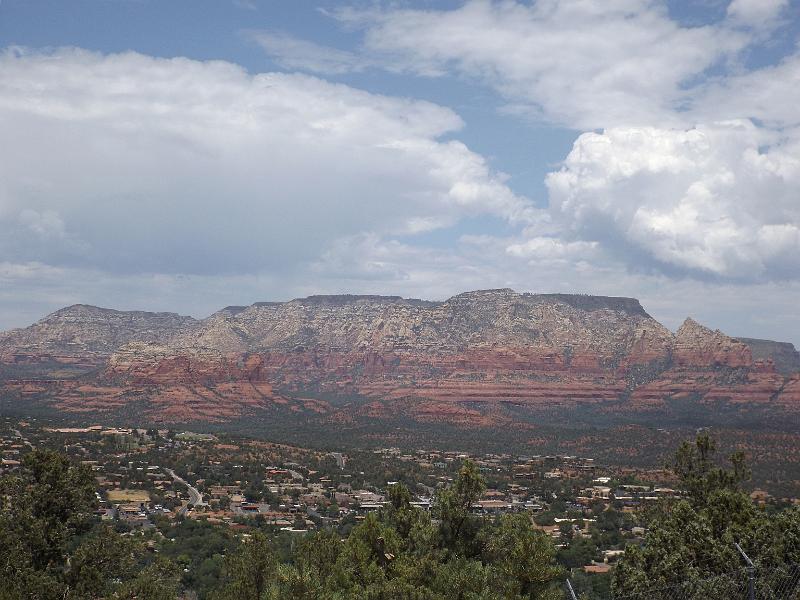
x,y
178,488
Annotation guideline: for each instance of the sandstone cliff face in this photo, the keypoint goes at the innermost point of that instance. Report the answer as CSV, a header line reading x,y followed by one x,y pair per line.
x,y
429,359
712,368
696,345
783,355
80,329
491,318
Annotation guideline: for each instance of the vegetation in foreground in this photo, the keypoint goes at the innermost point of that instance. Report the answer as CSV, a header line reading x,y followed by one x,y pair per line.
x,y
52,546
692,541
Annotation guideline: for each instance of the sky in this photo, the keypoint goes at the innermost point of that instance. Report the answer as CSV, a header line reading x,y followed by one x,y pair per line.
x,y
187,155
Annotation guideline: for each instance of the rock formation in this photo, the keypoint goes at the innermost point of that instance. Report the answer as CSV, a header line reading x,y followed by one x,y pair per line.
x,y
461,360
783,355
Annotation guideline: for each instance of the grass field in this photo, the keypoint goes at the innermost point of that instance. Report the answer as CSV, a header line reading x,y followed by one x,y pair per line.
x,y
128,496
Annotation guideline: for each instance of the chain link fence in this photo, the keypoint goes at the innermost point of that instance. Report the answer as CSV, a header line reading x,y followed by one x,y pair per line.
x,y
748,583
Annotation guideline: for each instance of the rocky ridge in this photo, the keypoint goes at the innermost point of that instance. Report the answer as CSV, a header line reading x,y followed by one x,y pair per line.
x,y
81,329
782,354
428,361
467,321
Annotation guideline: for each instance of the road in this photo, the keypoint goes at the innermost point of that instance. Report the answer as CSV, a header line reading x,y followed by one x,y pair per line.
x,y
22,437
195,497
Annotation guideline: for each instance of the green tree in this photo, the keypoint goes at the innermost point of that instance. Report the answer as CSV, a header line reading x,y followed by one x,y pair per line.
x,y
42,507
700,476
49,501
398,553
523,557
453,507
51,545
250,571
298,584
368,552
101,562
581,551
318,553
401,515
690,542
158,581
596,586
198,546
464,579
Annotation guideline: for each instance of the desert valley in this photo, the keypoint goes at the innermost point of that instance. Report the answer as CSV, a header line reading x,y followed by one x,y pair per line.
x,y
489,370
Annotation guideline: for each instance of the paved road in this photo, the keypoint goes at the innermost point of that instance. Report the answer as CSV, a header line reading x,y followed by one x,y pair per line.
x,y
22,437
195,497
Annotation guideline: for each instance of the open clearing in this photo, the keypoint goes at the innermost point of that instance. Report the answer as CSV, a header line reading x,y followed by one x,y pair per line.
x,y
128,496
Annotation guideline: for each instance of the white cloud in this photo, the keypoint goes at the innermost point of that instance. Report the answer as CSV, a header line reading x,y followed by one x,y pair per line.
x,y
756,13
666,186
291,52
245,4
553,249
47,224
128,163
768,94
369,264
579,64
13,271
708,201
177,184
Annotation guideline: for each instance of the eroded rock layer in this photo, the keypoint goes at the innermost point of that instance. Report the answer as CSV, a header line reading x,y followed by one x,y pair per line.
x,y
427,361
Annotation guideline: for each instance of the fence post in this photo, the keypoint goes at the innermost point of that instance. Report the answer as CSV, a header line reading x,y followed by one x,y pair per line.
x,y
751,574
572,595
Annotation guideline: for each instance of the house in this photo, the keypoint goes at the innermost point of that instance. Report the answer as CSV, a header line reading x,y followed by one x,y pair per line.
x,y
601,491
610,555
491,506
218,491
597,568
10,464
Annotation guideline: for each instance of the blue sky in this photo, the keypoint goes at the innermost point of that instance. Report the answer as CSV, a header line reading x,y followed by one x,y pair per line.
x,y
187,155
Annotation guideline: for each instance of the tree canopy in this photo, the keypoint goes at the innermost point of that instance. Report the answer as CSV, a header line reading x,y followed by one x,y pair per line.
x,y
51,546
402,552
691,542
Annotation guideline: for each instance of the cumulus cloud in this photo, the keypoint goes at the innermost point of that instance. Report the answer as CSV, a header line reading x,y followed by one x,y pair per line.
x,y
694,172
710,201
187,185
767,94
756,13
128,163
584,65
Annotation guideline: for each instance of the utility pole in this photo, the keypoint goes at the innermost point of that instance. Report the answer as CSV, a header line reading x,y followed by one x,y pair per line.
x,y
751,574
571,591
